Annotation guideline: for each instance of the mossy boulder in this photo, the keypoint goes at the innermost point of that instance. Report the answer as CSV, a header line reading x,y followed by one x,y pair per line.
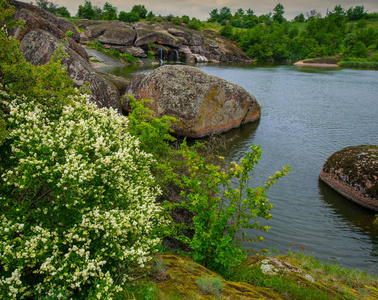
x,y
353,172
203,104
179,274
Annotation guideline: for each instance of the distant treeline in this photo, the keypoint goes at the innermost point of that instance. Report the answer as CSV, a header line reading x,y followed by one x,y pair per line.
x,y
271,37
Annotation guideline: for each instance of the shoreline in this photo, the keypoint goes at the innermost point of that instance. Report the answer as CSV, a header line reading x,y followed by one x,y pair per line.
x,y
318,65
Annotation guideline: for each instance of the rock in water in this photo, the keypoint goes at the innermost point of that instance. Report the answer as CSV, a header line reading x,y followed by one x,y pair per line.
x,y
353,172
203,104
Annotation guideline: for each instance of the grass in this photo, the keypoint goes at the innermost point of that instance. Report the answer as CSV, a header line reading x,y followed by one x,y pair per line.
x,y
210,285
333,273
359,64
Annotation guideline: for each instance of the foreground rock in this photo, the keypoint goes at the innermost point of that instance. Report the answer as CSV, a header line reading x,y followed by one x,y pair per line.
x,y
279,277
42,36
203,104
164,40
179,276
353,172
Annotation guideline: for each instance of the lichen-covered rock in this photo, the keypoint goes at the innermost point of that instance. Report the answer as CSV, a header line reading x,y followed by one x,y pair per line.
x,y
146,36
118,36
179,275
191,44
36,18
353,172
38,46
65,25
202,103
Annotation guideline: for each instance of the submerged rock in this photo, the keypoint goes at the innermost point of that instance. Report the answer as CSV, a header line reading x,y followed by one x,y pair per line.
x,y
353,172
203,104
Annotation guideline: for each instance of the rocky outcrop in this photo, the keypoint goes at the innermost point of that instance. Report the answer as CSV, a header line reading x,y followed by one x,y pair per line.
x,y
191,45
43,34
104,94
353,172
202,103
35,18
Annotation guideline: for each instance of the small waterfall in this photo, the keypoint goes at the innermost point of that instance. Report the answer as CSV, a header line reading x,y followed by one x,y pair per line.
x,y
162,55
200,58
173,56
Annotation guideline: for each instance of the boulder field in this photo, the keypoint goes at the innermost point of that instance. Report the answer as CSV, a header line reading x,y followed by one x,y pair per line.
x,y
202,103
353,172
165,41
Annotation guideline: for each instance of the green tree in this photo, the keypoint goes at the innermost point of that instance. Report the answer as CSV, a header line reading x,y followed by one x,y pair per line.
x,y
278,13
356,13
109,12
150,16
227,31
185,19
239,13
140,10
300,18
128,17
170,17
224,14
214,16
63,12
86,11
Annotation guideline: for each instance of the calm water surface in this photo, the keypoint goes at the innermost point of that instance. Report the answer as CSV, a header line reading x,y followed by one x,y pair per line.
x,y
308,114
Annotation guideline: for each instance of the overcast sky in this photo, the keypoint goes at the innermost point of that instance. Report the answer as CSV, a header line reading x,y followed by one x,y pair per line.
x,y
201,8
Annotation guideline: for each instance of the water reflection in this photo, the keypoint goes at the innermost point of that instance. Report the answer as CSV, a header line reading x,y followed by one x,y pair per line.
x,y
359,217
307,114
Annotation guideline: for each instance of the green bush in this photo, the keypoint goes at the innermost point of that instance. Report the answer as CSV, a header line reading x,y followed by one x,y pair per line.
x,y
129,58
185,19
128,17
87,171
219,215
97,45
114,53
176,21
77,197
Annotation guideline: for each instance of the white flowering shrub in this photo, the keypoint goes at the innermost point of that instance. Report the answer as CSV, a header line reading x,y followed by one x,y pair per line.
x,y
77,203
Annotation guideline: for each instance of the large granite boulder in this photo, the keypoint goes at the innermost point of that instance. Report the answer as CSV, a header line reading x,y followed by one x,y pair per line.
x,y
353,172
202,103
38,46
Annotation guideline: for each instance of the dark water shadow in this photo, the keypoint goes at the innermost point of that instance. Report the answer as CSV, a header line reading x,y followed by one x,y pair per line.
x,y
346,210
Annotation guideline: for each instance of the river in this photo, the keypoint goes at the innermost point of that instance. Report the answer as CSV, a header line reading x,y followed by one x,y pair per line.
x,y
307,114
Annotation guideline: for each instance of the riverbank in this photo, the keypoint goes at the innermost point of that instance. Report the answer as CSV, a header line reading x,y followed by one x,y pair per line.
x,y
316,65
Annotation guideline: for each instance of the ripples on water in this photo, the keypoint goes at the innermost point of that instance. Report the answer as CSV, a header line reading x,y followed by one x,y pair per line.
x,y
308,114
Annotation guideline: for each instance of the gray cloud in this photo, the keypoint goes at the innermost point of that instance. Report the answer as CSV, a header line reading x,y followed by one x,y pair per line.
x,y
201,8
